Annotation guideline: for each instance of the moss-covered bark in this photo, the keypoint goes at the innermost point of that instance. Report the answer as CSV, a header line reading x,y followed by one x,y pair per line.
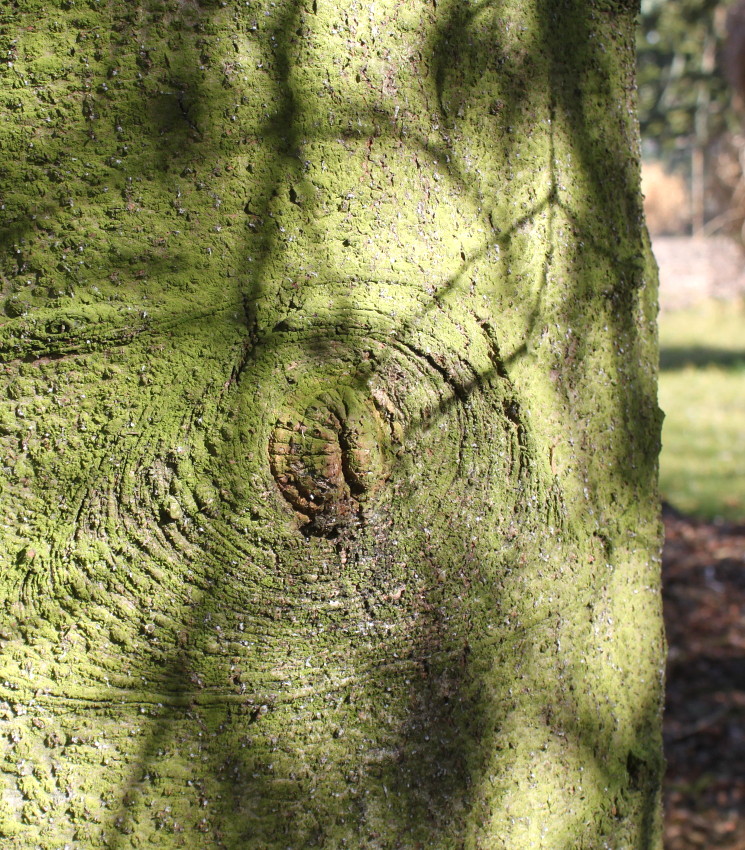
x,y
328,427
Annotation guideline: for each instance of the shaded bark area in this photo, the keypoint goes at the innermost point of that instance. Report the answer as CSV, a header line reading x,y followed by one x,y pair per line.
x,y
330,428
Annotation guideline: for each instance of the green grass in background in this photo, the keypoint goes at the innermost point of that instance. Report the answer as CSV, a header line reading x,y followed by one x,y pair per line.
x,y
702,392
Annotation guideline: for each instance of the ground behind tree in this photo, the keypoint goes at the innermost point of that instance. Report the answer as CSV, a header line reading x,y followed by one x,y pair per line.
x,y
703,569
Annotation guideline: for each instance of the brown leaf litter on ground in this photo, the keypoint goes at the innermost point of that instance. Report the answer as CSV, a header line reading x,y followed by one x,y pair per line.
x,y
704,728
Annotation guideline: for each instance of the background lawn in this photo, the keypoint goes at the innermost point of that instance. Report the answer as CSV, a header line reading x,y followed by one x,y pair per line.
x,y
702,392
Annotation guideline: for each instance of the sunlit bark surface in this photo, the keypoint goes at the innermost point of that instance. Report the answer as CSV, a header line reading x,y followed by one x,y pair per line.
x,y
328,427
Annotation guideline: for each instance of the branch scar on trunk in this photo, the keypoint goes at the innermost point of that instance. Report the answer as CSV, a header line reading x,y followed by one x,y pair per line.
x,y
328,457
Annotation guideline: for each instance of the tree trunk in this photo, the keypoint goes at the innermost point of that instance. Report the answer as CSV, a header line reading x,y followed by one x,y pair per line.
x,y
329,427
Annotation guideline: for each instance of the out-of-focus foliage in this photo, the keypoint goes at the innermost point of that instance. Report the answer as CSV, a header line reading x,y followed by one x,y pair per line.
x,y
691,76
683,96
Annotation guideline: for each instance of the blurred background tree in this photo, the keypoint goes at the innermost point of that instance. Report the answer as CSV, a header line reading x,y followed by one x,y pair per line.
x,y
691,123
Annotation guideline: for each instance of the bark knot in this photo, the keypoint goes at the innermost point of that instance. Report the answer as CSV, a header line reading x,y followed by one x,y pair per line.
x,y
328,457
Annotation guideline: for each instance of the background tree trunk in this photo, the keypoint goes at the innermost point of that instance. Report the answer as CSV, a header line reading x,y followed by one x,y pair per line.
x,y
329,427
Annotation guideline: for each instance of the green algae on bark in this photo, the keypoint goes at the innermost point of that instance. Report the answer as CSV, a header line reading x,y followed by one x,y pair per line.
x,y
329,427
